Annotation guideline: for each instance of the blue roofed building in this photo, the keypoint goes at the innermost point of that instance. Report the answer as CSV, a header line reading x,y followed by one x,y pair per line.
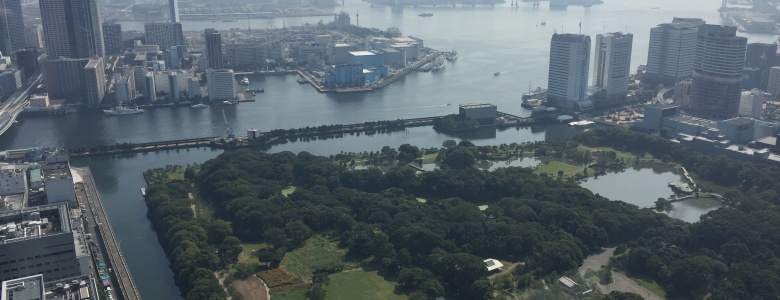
x,y
362,68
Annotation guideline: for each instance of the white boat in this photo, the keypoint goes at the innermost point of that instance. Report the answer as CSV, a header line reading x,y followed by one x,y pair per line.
x,y
244,81
120,110
143,191
199,105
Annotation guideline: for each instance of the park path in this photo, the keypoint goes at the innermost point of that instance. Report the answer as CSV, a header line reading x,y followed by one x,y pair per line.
x,y
621,282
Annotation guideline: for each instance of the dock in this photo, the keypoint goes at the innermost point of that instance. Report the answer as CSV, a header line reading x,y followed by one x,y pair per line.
x,y
125,285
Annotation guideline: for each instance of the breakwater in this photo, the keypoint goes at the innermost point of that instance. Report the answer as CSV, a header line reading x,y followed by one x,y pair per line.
x,y
269,138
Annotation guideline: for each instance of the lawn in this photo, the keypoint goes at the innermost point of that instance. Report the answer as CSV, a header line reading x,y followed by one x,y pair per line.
x,y
291,295
359,285
318,252
652,286
421,200
288,190
246,256
176,173
554,166
483,207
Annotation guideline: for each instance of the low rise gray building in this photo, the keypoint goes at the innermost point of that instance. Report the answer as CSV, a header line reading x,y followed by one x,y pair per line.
x,y
484,113
42,240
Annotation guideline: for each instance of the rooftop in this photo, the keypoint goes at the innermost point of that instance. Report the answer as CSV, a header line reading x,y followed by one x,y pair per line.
x,y
493,264
34,222
25,288
362,53
476,105
567,282
93,63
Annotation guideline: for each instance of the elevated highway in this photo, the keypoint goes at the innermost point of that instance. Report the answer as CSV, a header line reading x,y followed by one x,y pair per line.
x,y
16,103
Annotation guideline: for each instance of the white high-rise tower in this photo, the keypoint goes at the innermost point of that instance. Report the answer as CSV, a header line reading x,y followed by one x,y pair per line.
x,y
612,64
568,76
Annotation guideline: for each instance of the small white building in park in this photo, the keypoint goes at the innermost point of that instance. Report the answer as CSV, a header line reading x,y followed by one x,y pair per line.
x,y
493,264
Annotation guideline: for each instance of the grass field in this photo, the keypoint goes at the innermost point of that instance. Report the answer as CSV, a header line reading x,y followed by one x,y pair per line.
x,y
292,295
421,200
554,166
176,174
246,255
288,190
318,252
359,285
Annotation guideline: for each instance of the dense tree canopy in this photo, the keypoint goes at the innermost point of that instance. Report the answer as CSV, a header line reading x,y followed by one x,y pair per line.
x,y
436,247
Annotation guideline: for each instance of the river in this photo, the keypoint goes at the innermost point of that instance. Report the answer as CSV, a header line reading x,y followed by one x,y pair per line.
x,y
488,40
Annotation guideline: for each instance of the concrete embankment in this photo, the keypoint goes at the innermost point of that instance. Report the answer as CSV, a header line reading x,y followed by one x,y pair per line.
x,y
116,260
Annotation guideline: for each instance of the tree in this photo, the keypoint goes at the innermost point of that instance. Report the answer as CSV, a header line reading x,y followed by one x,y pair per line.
x,y
459,158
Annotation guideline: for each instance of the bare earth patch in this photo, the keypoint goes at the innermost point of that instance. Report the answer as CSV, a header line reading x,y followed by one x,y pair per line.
x,y
251,288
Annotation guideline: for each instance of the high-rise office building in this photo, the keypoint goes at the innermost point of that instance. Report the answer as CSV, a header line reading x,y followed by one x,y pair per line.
x,y
173,10
751,104
193,87
717,72
611,67
27,61
11,26
64,77
672,50
568,76
173,86
150,91
33,36
124,87
71,28
214,49
164,35
171,57
95,81
773,85
221,85
762,56
112,37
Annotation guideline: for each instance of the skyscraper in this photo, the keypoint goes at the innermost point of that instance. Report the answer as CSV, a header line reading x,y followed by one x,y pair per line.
x,y
112,36
71,28
33,36
11,26
762,56
717,72
150,91
164,35
612,64
672,50
568,76
214,49
173,10
95,81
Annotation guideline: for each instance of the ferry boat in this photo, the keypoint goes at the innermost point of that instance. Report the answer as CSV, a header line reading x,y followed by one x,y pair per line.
x,y
244,81
302,81
199,105
254,90
120,110
427,14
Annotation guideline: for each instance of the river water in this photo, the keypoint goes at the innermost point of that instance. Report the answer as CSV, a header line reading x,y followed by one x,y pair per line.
x,y
488,40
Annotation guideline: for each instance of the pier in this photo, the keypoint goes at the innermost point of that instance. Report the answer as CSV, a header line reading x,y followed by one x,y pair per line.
x,y
99,223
